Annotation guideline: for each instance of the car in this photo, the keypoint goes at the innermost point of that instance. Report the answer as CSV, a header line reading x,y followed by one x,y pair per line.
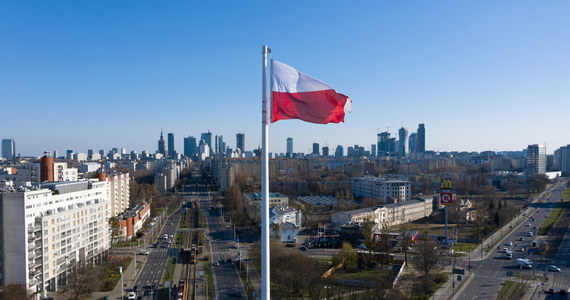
x,y
229,260
216,264
528,225
303,248
553,268
170,235
132,296
550,291
521,239
135,288
550,209
509,243
505,250
153,285
521,249
143,252
509,255
221,261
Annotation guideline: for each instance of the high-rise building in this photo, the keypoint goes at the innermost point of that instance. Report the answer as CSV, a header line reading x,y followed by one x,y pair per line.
x,y
161,149
190,146
535,160
402,136
339,151
204,149
412,143
220,145
316,148
171,151
240,141
386,144
8,149
289,146
373,150
562,160
207,137
325,151
50,231
421,139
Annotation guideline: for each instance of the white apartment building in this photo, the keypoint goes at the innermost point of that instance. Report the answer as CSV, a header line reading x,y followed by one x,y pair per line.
x,y
45,232
62,173
385,190
386,215
118,190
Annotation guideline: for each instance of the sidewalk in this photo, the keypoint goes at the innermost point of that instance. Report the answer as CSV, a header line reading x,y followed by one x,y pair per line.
x,y
483,251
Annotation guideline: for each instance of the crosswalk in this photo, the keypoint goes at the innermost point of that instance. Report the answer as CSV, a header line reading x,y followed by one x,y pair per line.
x,y
493,277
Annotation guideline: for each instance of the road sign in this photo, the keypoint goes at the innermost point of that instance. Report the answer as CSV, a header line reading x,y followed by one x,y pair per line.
x,y
446,198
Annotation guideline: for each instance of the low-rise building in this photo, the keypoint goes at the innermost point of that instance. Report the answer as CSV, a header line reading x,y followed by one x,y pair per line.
x,y
132,220
252,203
385,190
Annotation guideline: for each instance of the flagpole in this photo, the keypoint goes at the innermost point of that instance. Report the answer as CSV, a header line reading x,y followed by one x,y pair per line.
x,y
265,282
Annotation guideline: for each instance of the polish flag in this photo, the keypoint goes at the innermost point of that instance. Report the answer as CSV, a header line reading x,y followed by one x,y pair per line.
x,y
295,95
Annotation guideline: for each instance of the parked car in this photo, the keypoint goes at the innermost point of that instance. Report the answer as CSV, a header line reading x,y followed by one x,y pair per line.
x,y
132,296
509,243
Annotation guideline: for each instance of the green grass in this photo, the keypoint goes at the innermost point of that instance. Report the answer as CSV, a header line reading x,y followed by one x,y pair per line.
x,y
464,247
552,218
169,272
566,194
508,290
209,278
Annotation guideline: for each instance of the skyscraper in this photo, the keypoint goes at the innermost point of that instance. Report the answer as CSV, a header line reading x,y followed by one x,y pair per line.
x,y
8,149
316,148
171,152
161,149
402,136
207,137
338,152
190,146
289,146
325,151
412,143
421,139
220,146
240,142
535,160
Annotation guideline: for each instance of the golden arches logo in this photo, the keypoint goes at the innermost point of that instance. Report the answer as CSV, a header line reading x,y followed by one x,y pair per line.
x,y
446,185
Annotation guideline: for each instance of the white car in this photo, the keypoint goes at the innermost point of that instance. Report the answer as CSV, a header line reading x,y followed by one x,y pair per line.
x,y
509,243
552,268
132,296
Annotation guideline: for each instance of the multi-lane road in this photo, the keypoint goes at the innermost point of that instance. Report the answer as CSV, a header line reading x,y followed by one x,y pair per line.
x,y
491,272
157,259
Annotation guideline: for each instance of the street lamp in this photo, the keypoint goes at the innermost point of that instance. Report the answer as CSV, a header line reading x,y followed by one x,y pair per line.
x,y
327,292
122,282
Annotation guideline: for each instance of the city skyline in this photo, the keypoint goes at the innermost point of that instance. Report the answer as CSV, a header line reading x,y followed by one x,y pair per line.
x,y
481,76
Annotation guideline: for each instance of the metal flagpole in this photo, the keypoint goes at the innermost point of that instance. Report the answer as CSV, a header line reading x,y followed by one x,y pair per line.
x,y
265,286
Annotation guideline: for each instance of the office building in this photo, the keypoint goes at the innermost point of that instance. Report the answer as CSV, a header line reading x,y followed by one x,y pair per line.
x,y
171,151
50,231
161,146
535,160
316,148
289,146
207,137
190,146
325,151
339,151
412,143
8,149
240,142
220,145
402,136
562,160
421,139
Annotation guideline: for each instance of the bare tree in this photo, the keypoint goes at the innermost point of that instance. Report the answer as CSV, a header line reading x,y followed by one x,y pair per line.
x,y
115,228
428,255
368,226
13,291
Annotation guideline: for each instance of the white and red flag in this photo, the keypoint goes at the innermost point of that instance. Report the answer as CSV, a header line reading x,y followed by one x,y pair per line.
x,y
295,95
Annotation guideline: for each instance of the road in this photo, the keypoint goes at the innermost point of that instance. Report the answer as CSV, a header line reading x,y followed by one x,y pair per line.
x,y
226,276
491,272
157,258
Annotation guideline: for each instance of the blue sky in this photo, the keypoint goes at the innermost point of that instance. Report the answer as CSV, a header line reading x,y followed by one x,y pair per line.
x,y
481,75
